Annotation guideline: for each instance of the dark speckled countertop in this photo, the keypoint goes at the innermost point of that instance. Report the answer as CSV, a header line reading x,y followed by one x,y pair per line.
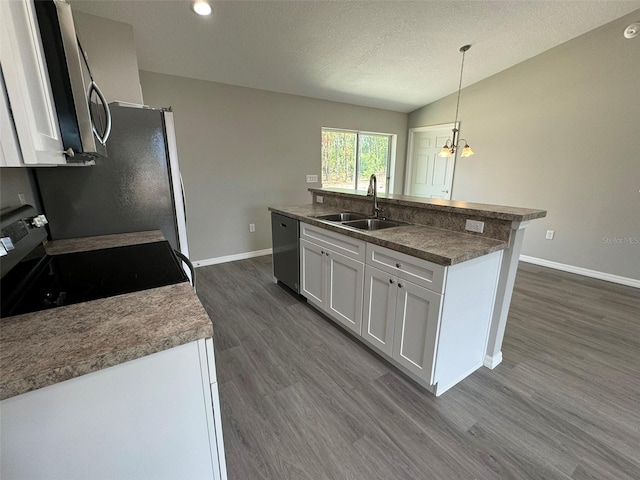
x,y
503,212
43,348
436,245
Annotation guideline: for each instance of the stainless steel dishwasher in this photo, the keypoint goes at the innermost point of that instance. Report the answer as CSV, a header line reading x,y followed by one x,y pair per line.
x,y
285,232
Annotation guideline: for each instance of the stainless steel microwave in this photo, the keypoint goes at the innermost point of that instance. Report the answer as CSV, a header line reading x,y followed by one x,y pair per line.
x,y
83,112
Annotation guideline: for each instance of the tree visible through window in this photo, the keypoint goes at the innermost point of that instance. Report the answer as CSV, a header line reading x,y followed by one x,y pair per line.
x,y
349,158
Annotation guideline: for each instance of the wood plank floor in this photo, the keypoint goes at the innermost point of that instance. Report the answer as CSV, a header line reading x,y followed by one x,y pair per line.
x,y
301,399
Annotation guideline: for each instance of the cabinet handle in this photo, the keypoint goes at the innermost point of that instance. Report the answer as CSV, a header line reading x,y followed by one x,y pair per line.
x,y
321,252
399,285
391,281
398,265
327,254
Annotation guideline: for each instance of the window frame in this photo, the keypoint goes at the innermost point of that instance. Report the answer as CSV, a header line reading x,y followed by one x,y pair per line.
x,y
390,153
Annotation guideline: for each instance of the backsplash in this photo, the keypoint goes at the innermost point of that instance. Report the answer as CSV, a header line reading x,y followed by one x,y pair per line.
x,y
15,180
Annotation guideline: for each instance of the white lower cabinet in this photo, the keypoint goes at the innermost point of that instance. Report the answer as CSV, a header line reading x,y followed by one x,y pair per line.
x,y
313,275
430,321
333,283
378,318
156,417
416,329
401,320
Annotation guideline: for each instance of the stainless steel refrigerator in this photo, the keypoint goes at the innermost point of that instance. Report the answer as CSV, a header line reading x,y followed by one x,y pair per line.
x,y
137,187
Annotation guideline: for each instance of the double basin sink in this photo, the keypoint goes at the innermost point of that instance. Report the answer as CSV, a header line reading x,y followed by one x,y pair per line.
x,y
360,221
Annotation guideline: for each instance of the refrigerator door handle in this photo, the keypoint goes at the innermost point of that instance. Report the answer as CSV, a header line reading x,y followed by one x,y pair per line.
x,y
186,260
184,200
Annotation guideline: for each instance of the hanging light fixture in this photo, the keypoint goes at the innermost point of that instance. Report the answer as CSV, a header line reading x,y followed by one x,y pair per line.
x,y
453,143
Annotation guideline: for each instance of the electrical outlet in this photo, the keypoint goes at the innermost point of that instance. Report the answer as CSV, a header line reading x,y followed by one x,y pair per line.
x,y
319,199
312,178
22,199
252,227
550,234
474,226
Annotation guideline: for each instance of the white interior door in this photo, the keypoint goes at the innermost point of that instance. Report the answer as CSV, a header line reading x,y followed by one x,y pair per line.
x,y
427,174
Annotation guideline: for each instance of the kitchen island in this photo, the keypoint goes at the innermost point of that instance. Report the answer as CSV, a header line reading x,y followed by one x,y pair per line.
x,y
430,296
120,387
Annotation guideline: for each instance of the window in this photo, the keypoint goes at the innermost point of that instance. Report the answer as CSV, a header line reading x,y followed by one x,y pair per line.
x,y
349,158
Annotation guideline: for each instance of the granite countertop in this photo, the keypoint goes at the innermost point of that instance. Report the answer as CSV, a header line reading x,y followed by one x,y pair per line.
x,y
84,244
46,347
501,212
436,245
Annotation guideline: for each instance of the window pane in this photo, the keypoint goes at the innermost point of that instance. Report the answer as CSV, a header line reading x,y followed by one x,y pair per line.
x,y
373,157
338,159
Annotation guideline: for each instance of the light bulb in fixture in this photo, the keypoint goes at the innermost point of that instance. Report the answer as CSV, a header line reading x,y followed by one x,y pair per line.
x,y
445,152
466,151
201,7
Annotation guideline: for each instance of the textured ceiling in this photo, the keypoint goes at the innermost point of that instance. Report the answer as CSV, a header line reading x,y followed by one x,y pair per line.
x,y
396,55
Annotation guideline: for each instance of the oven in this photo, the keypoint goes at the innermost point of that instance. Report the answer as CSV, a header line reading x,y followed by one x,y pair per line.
x,y
33,280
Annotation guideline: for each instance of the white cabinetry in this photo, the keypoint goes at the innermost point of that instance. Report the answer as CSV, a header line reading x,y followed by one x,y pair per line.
x,y
416,329
154,417
378,318
330,280
27,89
429,320
401,318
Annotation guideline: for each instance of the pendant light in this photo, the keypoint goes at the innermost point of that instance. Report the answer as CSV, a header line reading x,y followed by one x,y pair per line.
x,y
452,144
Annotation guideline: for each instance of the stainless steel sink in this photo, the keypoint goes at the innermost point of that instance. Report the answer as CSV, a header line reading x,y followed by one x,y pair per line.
x,y
373,224
341,217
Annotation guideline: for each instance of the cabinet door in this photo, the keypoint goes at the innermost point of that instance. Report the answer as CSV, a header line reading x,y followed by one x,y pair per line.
x,y
345,281
416,329
312,275
27,84
146,418
9,147
378,319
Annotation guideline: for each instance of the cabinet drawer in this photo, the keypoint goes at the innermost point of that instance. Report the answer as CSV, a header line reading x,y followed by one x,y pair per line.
x,y
342,244
421,272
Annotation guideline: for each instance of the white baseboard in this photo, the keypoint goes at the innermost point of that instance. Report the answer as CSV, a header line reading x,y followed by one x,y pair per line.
x,y
631,282
232,258
492,362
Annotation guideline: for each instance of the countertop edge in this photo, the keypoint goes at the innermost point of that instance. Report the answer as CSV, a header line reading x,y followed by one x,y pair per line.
x,y
60,374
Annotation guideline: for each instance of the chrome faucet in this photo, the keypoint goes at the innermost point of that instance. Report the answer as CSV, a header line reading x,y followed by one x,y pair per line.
x,y
372,191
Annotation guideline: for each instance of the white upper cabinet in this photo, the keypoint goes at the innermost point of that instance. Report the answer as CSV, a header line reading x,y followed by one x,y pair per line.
x,y
28,100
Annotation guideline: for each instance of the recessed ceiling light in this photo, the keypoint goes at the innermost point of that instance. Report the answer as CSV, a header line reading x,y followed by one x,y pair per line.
x,y
201,7
632,30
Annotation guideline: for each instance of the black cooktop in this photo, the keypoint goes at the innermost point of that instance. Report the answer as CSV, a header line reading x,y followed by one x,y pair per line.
x,y
50,281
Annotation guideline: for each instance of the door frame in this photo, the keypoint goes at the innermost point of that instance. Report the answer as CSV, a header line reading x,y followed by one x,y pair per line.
x,y
410,145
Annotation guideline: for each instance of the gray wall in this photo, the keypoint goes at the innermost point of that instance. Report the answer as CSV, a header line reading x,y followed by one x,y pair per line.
x,y
242,150
560,132
112,56
14,181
